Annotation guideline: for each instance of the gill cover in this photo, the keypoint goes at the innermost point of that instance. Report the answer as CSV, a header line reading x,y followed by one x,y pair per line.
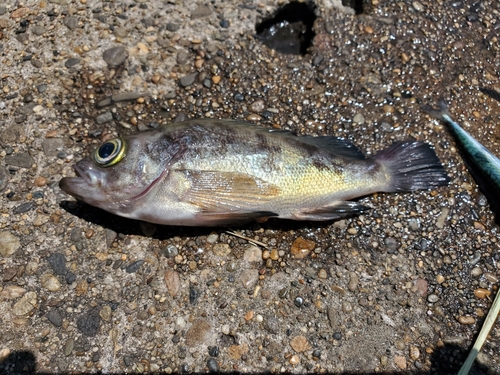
x,y
110,152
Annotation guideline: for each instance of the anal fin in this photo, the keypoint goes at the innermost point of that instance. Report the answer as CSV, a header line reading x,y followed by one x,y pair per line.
x,y
334,211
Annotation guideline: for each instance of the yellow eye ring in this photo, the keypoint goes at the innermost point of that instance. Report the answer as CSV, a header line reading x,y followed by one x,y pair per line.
x,y
110,152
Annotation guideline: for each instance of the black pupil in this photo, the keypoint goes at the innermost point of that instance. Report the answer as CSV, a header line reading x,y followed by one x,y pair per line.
x,y
106,150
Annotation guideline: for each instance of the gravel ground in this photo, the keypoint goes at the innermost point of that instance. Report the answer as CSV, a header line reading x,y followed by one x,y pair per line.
x,y
404,287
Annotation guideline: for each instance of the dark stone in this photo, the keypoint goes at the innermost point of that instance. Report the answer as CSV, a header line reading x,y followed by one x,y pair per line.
x,y
70,278
71,22
72,62
188,80
134,267
213,351
212,365
57,262
224,24
21,159
194,294
89,323
115,56
22,208
201,11
173,27
55,318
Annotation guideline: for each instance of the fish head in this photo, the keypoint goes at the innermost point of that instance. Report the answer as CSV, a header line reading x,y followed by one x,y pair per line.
x,y
120,172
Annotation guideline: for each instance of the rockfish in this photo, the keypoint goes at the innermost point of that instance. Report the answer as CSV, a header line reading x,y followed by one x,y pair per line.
x,y
214,172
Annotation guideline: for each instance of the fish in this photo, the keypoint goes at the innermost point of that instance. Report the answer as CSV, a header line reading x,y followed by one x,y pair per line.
x,y
207,172
481,162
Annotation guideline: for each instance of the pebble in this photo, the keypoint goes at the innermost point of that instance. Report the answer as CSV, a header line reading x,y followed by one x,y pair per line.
x,y
302,247
418,6
22,208
294,360
358,119
221,249
55,317
249,278
8,244
300,344
68,347
12,292
322,274
252,254
105,313
71,22
400,362
25,305
170,251
188,80
198,333
257,106
21,159
212,238
432,298
50,282
173,282
476,271
201,11
134,267
353,281
57,262
4,178
104,117
212,365
213,351
115,56
89,323
466,320
414,352
482,293
72,62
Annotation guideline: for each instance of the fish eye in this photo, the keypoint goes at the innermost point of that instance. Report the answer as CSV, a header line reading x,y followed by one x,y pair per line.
x,y
110,152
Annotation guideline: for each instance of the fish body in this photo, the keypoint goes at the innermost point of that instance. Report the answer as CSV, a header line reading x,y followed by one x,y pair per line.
x,y
477,156
214,172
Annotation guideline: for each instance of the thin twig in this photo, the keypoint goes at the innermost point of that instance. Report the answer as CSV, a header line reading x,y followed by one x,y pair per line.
x,y
483,334
258,243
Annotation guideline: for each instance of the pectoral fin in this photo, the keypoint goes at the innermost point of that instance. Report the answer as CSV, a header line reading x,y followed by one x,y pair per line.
x,y
331,212
227,192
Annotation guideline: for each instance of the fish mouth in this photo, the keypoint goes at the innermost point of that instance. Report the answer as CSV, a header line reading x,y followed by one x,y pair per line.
x,y
82,182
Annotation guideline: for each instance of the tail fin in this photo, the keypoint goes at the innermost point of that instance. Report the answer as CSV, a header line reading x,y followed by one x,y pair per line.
x,y
412,165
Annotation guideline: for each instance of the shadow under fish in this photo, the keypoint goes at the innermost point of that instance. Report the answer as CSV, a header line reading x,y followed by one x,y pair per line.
x,y
483,165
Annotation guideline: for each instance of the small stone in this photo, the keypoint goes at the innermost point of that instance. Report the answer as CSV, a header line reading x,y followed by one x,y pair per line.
x,y
482,293
213,351
221,249
253,254
120,32
400,362
21,159
212,238
422,287
253,117
249,278
57,262
353,281
40,181
50,282
201,11
418,6
257,106
173,282
105,313
294,360
358,119
8,244
440,279
322,274
115,56
22,208
25,305
198,333
476,271
216,79
173,27
212,365
134,267
466,320
12,292
300,344
188,80
235,352
68,347
432,298
71,62
302,247
55,318
71,22
104,117
89,323
38,30
414,352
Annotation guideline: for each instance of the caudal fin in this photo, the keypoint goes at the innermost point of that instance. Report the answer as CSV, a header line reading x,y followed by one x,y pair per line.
x,y
412,165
